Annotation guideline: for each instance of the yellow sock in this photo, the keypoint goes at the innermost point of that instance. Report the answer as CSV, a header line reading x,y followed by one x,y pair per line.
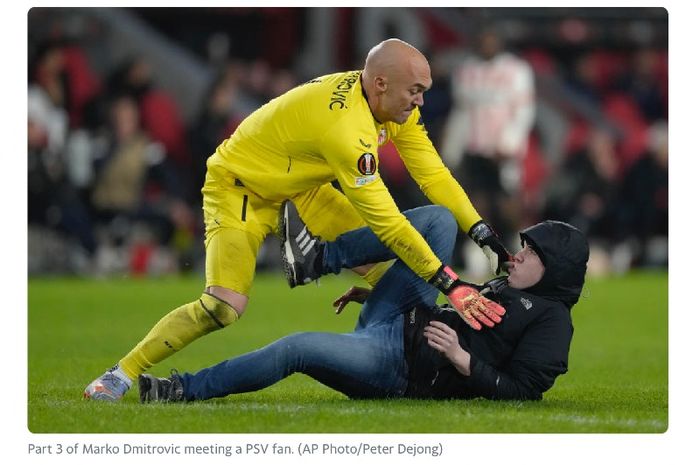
x,y
177,329
376,272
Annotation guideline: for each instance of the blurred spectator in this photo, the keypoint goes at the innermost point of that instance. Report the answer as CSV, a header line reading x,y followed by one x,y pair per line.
x,y
596,71
53,202
238,73
258,82
281,81
644,83
583,78
121,173
49,73
487,131
48,118
135,184
436,107
159,113
63,71
603,77
583,192
217,120
643,217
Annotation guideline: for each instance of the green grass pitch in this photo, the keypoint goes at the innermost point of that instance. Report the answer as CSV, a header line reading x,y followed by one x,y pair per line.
x,y
617,380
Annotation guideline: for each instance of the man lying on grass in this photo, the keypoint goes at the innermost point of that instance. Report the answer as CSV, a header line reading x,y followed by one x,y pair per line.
x,y
404,345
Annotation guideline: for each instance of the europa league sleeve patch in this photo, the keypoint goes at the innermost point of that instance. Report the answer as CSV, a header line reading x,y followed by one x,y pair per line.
x,y
367,164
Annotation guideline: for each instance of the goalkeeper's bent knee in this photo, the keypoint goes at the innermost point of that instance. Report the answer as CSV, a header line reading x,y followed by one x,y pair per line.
x,y
220,312
176,330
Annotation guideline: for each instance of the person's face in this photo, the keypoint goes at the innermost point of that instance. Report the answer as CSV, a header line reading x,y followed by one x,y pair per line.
x,y
525,270
489,45
400,93
125,118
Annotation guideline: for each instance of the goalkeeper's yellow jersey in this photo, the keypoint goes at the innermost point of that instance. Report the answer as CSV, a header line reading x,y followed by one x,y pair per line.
x,y
324,130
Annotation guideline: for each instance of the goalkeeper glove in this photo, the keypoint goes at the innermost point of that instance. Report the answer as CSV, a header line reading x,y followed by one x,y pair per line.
x,y
469,304
491,245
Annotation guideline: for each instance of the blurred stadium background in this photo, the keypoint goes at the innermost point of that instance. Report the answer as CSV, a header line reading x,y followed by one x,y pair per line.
x,y
151,92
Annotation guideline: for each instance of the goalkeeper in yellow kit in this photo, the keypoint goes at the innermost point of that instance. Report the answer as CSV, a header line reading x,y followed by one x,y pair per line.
x,y
293,148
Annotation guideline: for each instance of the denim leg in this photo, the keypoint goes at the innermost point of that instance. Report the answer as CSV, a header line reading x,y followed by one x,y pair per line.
x,y
365,364
362,246
400,289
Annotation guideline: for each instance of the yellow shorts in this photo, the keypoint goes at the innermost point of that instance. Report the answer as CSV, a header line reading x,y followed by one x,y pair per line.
x,y
237,221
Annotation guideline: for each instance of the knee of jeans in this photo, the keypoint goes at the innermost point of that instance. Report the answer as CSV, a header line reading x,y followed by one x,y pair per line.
x,y
292,341
444,219
303,343
288,349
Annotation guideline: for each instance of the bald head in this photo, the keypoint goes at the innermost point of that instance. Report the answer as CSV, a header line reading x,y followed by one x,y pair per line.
x,y
395,77
393,56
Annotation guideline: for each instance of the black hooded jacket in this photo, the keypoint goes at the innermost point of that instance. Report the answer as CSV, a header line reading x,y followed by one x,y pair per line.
x,y
521,356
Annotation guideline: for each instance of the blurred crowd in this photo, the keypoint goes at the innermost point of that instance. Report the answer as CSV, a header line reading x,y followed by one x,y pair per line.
x,y
115,166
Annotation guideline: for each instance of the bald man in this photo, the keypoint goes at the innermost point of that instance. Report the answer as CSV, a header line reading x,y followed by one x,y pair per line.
x,y
293,147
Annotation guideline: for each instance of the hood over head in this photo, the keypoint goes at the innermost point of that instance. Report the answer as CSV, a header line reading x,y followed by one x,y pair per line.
x,y
563,250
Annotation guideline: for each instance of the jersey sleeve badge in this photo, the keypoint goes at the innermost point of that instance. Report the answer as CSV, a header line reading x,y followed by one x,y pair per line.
x,y
367,164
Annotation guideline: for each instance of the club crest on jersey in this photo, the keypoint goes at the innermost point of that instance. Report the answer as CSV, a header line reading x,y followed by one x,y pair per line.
x,y
382,136
526,303
367,165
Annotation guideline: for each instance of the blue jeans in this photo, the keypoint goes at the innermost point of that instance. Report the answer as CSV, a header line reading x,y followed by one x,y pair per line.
x,y
367,363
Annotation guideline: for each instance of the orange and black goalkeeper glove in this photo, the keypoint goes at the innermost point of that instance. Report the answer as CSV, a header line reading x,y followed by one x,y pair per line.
x,y
471,306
